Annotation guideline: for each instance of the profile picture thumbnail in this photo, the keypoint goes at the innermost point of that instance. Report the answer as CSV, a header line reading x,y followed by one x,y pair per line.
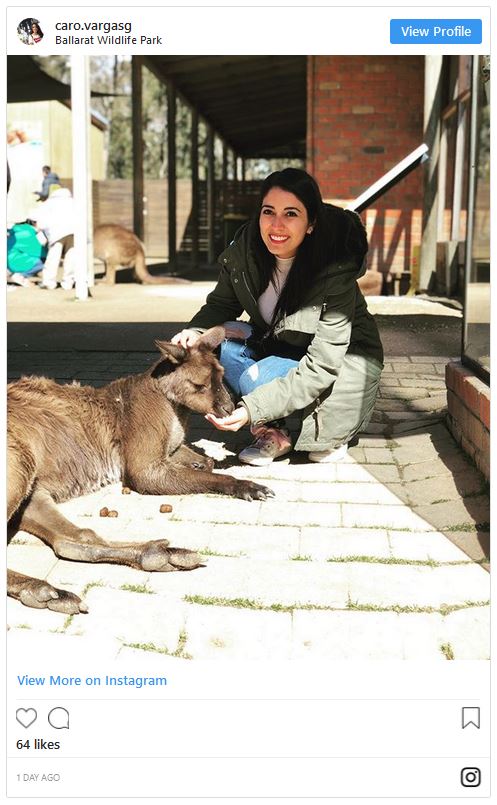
x,y
29,31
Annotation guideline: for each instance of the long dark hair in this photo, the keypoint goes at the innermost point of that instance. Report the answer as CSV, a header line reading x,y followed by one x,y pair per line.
x,y
35,22
336,234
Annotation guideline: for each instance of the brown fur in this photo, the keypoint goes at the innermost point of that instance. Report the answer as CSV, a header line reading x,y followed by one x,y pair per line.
x,y
120,248
69,440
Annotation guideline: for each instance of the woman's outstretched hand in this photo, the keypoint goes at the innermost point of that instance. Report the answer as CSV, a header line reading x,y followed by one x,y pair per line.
x,y
234,421
186,338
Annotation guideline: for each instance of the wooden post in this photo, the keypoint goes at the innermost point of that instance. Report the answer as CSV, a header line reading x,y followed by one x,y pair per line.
x,y
432,113
224,182
171,172
137,134
243,175
195,189
211,256
225,161
83,223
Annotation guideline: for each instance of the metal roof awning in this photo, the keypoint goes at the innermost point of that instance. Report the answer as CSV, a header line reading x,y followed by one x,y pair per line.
x,y
256,103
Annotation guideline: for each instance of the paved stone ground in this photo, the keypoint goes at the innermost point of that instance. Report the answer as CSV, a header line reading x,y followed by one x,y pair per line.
x,y
381,556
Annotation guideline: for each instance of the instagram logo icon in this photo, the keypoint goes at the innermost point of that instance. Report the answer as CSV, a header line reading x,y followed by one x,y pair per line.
x,y
470,777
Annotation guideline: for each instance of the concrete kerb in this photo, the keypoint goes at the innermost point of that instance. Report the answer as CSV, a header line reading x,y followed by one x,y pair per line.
x,y
388,543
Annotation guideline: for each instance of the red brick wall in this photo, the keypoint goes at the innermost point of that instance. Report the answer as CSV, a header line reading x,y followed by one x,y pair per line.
x,y
361,103
468,400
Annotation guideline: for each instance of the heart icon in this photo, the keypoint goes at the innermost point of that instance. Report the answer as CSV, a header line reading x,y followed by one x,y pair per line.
x,y
26,717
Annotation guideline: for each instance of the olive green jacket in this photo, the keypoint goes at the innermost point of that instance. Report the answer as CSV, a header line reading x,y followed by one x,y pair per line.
x,y
332,321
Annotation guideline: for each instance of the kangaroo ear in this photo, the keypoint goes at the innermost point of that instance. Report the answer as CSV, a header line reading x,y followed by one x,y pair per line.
x,y
174,353
213,337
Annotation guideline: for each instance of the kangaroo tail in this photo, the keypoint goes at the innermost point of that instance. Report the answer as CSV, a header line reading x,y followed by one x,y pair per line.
x,y
143,275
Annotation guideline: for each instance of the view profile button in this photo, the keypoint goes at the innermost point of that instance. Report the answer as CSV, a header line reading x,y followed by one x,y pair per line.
x,y
435,32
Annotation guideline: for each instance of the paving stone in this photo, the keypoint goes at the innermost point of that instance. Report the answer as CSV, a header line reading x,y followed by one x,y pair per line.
x,y
389,405
456,512
410,585
382,473
474,544
81,574
254,541
32,560
468,633
377,429
400,429
403,368
284,470
445,487
408,454
398,393
300,514
404,416
436,434
424,546
434,403
387,517
353,473
328,543
378,455
349,493
347,636
222,633
288,583
432,469
386,380
218,510
400,491
399,359
23,538
131,618
423,382
150,661
422,636
438,359
369,440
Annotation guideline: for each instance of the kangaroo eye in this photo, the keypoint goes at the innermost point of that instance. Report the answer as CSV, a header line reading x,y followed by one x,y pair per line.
x,y
199,387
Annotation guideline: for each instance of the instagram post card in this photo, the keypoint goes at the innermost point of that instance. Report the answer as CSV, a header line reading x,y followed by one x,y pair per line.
x,y
248,402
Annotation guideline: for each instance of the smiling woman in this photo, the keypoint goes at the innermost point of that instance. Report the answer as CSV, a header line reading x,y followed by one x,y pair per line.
x,y
312,345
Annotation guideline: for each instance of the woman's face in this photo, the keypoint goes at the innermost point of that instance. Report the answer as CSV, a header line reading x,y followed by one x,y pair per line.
x,y
34,28
283,223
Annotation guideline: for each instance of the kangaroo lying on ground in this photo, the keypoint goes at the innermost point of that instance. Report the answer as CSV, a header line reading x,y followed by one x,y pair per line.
x,y
120,248
70,440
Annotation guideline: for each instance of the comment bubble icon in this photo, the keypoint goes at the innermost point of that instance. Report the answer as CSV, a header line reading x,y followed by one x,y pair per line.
x,y
58,718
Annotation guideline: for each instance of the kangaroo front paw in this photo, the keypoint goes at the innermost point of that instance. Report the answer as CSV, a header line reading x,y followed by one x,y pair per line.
x,y
41,595
248,490
159,557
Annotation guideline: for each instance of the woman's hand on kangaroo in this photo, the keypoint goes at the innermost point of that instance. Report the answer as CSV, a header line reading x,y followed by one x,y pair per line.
x,y
187,338
234,421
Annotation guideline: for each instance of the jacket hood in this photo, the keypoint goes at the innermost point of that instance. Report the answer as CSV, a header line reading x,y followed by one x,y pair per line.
x,y
345,238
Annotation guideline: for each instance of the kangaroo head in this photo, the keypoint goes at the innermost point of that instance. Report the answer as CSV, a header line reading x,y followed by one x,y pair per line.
x,y
194,377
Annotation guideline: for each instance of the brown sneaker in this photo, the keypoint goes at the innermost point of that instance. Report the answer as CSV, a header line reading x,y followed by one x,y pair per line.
x,y
270,443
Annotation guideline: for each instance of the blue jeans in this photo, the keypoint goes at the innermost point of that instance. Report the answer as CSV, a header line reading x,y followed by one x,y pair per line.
x,y
244,373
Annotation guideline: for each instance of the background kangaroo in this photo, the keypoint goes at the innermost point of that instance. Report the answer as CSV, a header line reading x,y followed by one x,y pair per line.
x,y
120,248
69,440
